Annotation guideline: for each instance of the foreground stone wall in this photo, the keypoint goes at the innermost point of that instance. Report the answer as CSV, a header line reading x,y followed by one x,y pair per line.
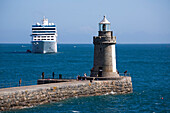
x,y
29,96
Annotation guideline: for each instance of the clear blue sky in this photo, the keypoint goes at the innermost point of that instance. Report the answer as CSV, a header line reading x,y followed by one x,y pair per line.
x,y
133,21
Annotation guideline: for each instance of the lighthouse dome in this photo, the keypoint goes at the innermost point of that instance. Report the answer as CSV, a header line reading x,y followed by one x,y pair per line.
x,y
104,25
104,21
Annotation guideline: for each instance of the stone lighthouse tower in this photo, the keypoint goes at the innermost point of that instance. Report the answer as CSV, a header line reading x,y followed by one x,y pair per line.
x,y
104,52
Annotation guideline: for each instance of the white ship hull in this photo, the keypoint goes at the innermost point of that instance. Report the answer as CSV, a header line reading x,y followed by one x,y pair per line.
x,y
44,46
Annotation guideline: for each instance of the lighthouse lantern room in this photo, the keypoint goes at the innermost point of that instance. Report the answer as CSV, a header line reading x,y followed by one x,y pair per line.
x,y
104,25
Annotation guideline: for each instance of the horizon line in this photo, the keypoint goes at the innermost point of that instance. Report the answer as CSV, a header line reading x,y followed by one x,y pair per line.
x,y
89,43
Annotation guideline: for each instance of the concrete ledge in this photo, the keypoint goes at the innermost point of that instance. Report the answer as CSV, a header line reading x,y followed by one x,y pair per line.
x,y
29,96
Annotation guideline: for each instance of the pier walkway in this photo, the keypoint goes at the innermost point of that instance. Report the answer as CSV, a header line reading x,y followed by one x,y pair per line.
x,y
37,87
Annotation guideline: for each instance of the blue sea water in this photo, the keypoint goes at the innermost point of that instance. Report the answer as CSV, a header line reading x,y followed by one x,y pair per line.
x,y
149,65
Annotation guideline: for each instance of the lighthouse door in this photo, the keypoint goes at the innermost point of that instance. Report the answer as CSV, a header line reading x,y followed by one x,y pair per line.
x,y
100,72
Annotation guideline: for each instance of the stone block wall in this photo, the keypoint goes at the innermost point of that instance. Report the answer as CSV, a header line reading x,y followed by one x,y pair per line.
x,y
30,96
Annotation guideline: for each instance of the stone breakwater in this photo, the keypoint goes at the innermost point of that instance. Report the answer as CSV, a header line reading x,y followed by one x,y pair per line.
x,y
29,96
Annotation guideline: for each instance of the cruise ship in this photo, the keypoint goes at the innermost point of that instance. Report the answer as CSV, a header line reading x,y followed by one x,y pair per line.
x,y
44,37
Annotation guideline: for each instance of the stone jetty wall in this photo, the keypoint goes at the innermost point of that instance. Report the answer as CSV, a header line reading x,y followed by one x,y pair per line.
x,y
29,96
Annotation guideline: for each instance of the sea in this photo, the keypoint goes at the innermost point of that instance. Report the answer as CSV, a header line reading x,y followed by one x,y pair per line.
x,y
148,65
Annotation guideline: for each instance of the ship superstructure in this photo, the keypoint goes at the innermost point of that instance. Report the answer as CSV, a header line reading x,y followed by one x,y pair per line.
x,y
44,37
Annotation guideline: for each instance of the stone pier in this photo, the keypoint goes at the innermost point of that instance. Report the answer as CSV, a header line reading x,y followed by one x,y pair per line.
x,y
29,96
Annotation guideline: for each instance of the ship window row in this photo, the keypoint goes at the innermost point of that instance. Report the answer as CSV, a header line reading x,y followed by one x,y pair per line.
x,y
43,36
43,31
43,39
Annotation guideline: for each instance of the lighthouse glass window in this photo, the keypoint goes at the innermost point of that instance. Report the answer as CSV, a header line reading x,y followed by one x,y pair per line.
x,y
104,27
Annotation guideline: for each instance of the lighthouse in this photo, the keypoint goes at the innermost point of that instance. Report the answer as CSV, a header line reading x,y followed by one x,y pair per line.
x,y
104,52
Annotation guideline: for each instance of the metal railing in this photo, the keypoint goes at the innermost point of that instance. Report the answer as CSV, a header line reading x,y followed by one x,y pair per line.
x,y
56,76
64,75
34,82
16,84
